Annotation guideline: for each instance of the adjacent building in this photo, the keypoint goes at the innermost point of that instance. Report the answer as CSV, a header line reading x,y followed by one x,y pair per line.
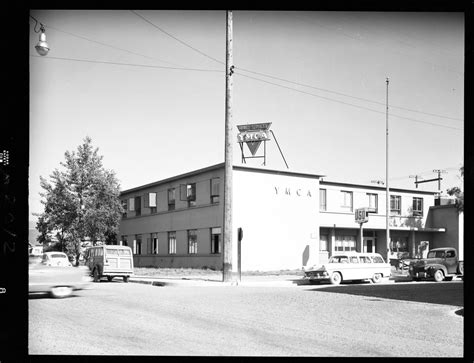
x,y
289,220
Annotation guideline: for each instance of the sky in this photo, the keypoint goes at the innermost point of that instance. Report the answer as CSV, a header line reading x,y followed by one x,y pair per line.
x,y
148,86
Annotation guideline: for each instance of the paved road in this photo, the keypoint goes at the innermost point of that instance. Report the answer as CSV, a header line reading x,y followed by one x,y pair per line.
x,y
348,320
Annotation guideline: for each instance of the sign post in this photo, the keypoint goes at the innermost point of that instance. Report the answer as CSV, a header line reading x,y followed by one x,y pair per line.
x,y
361,217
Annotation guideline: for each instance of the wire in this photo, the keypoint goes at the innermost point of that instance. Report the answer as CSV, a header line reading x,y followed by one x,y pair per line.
x,y
111,46
345,95
128,64
178,40
349,104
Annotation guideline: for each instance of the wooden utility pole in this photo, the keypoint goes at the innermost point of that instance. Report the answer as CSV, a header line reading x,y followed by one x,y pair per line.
x,y
387,191
228,248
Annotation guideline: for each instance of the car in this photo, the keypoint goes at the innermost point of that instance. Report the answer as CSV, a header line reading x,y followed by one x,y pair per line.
x,y
350,266
440,264
56,259
57,281
110,261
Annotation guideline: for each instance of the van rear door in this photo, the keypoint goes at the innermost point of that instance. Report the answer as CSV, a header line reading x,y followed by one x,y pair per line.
x,y
118,260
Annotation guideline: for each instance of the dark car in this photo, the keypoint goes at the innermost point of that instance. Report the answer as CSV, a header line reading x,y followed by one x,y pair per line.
x,y
58,281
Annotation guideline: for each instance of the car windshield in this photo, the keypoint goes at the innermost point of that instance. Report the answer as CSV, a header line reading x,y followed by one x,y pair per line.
x,y
58,255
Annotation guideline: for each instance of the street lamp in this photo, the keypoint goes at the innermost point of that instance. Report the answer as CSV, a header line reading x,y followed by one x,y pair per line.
x,y
42,47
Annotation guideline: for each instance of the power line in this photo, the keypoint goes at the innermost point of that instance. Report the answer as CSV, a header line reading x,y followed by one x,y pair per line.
x,y
129,64
178,40
111,46
259,73
349,104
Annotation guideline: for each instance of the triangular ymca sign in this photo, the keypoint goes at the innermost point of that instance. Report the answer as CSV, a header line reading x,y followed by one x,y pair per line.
x,y
253,146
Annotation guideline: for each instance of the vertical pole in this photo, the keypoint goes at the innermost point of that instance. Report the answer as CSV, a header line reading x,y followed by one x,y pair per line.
x,y
387,191
361,237
227,250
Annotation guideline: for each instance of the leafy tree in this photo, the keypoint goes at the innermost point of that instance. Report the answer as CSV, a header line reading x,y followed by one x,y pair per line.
x,y
458,193
81,201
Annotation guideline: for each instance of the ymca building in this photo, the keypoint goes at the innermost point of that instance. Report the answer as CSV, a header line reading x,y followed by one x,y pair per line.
x,y
289,220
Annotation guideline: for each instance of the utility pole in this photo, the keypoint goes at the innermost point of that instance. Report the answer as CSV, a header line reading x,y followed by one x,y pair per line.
x,y
416,179
387,192
227,230
439,177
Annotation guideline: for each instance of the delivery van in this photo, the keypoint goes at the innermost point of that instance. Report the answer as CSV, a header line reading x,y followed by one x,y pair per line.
x,y
110,261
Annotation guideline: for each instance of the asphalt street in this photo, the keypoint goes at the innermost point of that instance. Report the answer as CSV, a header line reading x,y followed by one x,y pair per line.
x,y
351,320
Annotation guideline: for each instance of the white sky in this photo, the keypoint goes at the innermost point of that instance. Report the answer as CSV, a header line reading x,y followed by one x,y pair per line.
x,y
153,123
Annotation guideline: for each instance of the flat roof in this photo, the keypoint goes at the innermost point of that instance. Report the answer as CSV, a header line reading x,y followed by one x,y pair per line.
x,y
365,186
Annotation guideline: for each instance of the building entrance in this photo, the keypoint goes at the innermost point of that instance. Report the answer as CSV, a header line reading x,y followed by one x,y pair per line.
x,y
369,244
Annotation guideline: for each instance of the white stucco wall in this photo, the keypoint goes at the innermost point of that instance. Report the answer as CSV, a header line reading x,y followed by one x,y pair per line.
x,y
279,217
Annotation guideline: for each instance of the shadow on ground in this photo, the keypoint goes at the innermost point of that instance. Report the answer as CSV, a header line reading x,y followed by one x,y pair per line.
x,y
445,293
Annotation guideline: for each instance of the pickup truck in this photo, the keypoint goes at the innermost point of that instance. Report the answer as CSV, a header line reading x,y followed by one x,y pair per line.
x,y
440,264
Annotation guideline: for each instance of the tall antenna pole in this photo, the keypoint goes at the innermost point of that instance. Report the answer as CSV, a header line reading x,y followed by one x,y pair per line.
x,y
387,192
227,232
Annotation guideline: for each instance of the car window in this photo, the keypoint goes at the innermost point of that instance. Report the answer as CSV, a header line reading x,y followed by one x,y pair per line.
x,y
57,255
436,254
354,259
124,252
377,259
344,259
365,259
450,254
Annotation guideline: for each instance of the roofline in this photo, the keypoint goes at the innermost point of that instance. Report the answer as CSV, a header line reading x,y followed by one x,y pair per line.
x,y
277,171
180,176
324,182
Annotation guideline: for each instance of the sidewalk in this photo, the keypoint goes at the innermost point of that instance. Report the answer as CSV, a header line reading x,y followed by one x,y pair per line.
x,y
262,280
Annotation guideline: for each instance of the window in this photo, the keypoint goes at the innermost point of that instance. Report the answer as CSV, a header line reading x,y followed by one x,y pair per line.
x,y
138,206
171,199
450,254
323,242
354,259
345,243
192,241
322,200
216,240
215,185
395,204
124,241
124,207
150,201
138,244
365,259
131,204
154,243
417,206
377,259
172,243
188,193
347,200
373,202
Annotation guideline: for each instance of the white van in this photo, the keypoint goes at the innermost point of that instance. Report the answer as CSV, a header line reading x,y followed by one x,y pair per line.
x,y
110,261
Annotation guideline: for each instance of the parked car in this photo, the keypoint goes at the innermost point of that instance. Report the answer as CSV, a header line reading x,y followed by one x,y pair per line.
x,y
441,264
58,281
350,266
56,259
110,261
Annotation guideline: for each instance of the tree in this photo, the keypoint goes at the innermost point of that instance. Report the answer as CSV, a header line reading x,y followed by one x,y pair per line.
x,y
458,193
81,201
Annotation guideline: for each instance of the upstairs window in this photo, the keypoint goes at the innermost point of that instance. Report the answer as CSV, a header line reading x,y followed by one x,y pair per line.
x,y
347,200
150,201
417,206
124,207
188,193
138,206
396,204
215,186
373,202
171,199
322,200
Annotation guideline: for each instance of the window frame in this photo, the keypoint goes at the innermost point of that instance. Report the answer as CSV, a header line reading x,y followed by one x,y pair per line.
x,y
219,241
394,201
417,202
323,196
192,242
171,201
376,200
215,187
344,200
172,243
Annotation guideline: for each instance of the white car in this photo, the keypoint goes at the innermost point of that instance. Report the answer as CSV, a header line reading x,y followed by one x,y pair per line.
x,y
59,259
350,266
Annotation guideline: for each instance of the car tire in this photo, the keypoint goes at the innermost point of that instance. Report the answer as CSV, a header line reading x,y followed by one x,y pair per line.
x,y
461,268
60,292
438,275
95,275
335,278
109,278
125,279
376,278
